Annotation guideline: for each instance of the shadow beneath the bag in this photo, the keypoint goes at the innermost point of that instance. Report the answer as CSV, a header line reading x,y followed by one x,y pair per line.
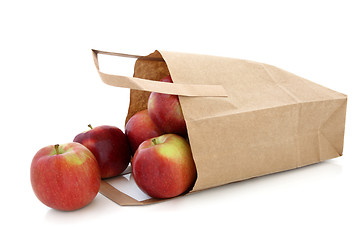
x,y
295,181
310,173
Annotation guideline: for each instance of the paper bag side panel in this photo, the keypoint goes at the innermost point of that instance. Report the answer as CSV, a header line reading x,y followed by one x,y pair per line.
x,y
316,117
241,146
332,131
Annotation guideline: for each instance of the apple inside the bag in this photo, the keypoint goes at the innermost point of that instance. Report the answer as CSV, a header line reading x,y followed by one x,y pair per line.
x,y
139,128
163,167
165,111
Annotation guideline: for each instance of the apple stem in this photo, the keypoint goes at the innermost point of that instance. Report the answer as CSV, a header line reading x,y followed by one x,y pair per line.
x,y
153,141
57,148
90,126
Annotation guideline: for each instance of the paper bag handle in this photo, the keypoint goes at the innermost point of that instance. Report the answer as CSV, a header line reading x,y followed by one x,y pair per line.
x,y
121,198
190,90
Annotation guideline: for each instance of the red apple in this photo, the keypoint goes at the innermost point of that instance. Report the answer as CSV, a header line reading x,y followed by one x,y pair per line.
x,y
165,111
163,167
139,128
65,177
110,148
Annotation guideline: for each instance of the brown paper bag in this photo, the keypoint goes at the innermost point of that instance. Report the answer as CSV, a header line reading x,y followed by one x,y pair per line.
x,y
244,119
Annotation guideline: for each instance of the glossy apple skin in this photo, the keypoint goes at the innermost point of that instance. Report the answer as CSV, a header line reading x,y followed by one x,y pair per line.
x,y
165,111
66,181
166,168
110,148
139,128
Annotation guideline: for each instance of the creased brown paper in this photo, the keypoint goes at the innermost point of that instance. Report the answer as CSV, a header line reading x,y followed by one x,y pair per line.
x,y
244,119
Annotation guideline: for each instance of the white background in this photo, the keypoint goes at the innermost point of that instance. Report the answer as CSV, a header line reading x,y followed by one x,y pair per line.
x,y
50,91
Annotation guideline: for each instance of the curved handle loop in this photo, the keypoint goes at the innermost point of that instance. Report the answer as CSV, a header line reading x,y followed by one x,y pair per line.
x,y
191,90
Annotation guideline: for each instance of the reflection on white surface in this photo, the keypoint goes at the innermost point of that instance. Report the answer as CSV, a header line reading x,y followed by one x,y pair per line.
x,y
127,185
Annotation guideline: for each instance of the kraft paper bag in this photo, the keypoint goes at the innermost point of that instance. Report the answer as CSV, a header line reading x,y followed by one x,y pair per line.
x,y
244,119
